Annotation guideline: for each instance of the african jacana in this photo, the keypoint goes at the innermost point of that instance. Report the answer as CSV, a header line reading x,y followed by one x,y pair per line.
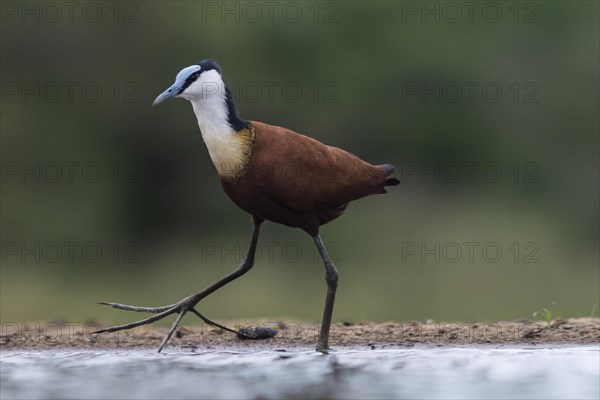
x,y
253,161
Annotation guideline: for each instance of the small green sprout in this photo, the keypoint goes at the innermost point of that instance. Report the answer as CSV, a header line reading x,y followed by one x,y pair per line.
x,y
546,314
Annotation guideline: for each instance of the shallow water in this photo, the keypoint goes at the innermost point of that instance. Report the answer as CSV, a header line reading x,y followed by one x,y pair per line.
x,y
427,373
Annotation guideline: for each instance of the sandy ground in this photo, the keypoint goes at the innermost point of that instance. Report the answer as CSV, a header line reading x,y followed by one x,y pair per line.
x,y
57,335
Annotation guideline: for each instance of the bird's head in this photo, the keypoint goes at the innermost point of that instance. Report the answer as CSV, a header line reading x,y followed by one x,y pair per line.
x,y
196,82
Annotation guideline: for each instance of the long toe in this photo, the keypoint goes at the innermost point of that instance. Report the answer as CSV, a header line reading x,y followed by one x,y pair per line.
x,y
126,307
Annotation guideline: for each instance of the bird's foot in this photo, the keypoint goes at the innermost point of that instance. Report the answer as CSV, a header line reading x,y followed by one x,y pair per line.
x,y
181,308
325,349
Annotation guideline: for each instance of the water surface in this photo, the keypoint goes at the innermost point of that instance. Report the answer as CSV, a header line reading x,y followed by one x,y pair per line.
x,y
422,373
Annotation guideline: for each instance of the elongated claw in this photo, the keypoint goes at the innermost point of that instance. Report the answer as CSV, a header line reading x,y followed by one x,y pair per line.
x,y
146,321
213,323
170,333
154,310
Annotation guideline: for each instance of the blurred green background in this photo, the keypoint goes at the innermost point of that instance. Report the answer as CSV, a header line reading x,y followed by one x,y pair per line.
x,y
379,79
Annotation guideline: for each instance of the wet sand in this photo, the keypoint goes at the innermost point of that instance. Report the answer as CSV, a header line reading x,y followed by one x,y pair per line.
x,y
291,334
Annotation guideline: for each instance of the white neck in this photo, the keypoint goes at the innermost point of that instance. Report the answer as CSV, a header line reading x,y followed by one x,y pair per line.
x,y
225,149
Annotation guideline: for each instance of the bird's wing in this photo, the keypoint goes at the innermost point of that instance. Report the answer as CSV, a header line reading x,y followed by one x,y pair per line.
x,y
305,175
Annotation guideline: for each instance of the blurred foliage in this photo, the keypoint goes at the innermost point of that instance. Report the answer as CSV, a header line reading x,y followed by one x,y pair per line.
x,y
355,66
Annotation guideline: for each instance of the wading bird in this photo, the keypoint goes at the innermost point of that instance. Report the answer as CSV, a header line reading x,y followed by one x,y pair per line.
x,y
273,174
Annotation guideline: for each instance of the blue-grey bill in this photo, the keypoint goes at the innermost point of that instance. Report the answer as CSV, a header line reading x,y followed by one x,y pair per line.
x,y
167,94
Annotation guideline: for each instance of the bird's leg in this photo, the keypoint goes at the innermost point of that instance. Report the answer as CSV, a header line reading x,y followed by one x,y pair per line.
x,y
188,303
331,277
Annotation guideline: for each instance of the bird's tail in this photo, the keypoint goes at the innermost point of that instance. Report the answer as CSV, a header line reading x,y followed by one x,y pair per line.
x,y
388,170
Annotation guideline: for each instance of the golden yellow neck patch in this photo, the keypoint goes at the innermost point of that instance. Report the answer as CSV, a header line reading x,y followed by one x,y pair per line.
x,y
232,153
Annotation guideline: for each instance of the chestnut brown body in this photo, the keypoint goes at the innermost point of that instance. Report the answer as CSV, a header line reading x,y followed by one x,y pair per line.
x,y
300,182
